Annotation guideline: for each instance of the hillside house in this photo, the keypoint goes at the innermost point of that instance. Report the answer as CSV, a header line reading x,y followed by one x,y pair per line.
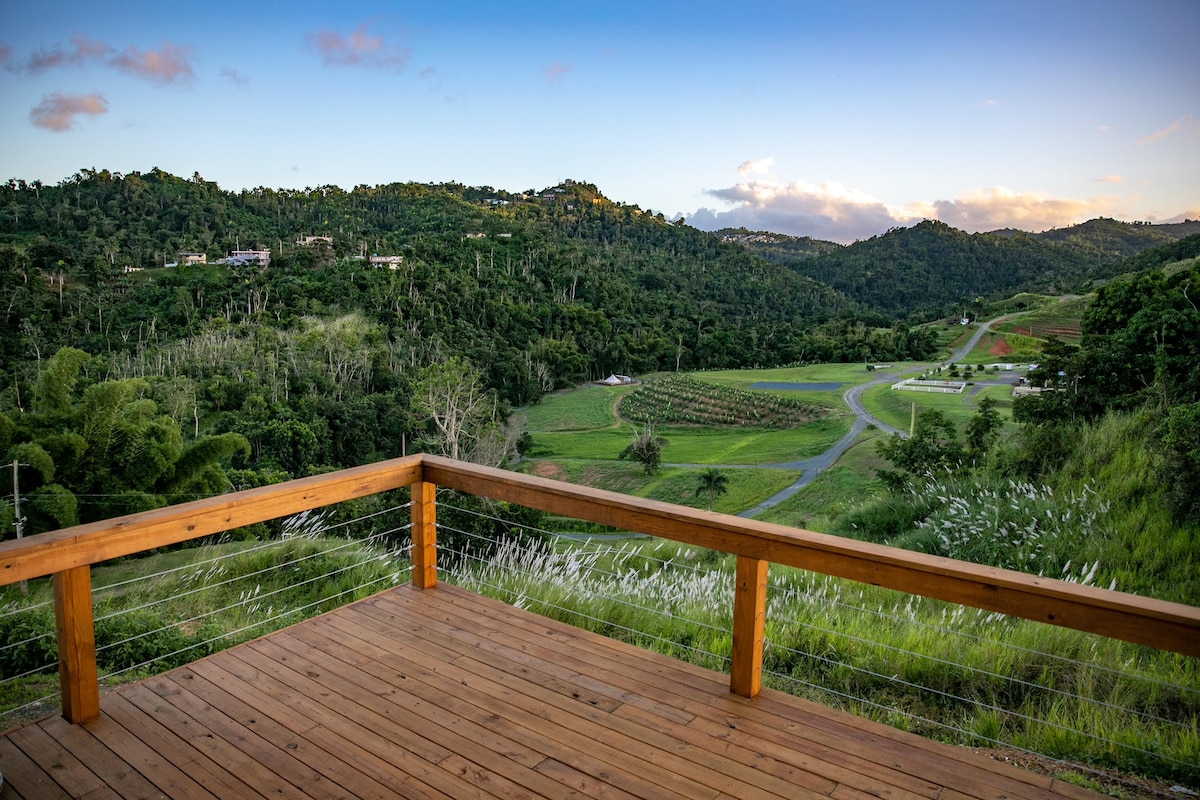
x,y
315,241
247,258
193,258
391,262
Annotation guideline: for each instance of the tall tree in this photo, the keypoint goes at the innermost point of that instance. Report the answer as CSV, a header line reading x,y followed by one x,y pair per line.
x,y
464,415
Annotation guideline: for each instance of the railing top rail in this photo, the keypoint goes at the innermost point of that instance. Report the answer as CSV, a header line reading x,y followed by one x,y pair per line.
x,y
48,553
1157,623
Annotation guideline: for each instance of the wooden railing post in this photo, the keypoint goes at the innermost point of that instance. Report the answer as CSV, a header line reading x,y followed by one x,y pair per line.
x,y
78,675
749,621
424,535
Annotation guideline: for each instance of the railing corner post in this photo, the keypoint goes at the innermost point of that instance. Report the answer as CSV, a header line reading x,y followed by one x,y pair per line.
x,y
79,676
749,623
424,535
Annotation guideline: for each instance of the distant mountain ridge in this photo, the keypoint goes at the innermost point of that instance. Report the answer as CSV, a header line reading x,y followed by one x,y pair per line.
x,y
932,267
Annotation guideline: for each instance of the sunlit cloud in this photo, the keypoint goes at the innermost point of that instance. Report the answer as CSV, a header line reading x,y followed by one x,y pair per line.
x,y
1191,215
837,213
756,166
555,72
359,49
1104,128
1182,125
826,211
59,111
998,207
80,50
167,65
990,102
234,77
1110,179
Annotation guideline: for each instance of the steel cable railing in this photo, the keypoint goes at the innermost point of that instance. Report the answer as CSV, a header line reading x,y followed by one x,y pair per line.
x,y
1016,708
224,592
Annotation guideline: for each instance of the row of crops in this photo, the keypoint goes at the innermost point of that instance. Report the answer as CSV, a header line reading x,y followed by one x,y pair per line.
x,y
682,400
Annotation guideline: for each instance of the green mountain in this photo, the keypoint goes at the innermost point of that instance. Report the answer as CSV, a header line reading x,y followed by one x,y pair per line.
x,y
778,247
930,268
542,288
1107,241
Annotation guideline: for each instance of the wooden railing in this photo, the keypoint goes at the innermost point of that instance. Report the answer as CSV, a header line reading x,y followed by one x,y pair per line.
x,y
68,554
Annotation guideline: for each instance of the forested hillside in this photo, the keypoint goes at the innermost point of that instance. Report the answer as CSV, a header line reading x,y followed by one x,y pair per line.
x,y
126,379
564,279
932,269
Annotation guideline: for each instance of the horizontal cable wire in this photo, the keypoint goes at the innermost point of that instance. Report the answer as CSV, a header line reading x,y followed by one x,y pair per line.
x,y
607,551
29,672
589,593
848,606
230,634
243,602
943,725
895,679
248,575
266,544
575,612
14,609
977,637
977,670
17,709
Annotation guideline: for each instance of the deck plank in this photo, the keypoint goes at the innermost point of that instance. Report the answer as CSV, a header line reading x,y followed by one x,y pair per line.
x,y
445,694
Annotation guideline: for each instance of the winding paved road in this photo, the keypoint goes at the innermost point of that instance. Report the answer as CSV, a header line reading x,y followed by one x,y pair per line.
x,y
812,467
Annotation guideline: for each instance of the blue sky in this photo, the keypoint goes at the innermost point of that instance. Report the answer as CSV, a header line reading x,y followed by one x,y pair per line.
x,y
837,120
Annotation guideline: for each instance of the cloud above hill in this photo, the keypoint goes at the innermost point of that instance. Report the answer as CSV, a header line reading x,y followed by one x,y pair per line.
x,y
826,211
998,207
837,213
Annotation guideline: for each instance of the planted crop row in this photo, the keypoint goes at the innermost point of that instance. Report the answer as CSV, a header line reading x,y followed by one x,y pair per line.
x,y
681,400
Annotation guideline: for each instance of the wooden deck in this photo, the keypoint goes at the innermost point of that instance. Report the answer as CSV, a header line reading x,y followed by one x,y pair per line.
x,y
443,693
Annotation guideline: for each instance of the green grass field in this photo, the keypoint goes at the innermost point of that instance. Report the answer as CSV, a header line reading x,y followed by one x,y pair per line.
x,y
895,407
581,409
697,445
746,486
848,483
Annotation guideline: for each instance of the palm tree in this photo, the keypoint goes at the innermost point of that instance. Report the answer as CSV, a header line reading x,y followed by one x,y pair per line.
x,y
713,482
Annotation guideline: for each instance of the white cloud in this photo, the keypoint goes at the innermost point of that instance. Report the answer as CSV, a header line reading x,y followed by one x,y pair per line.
x,y
756,166
828,211
1110,179
834,212
1181,125
998,207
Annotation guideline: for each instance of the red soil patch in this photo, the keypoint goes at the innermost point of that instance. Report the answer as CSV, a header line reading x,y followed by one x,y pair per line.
x,y
548,469
1001,347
